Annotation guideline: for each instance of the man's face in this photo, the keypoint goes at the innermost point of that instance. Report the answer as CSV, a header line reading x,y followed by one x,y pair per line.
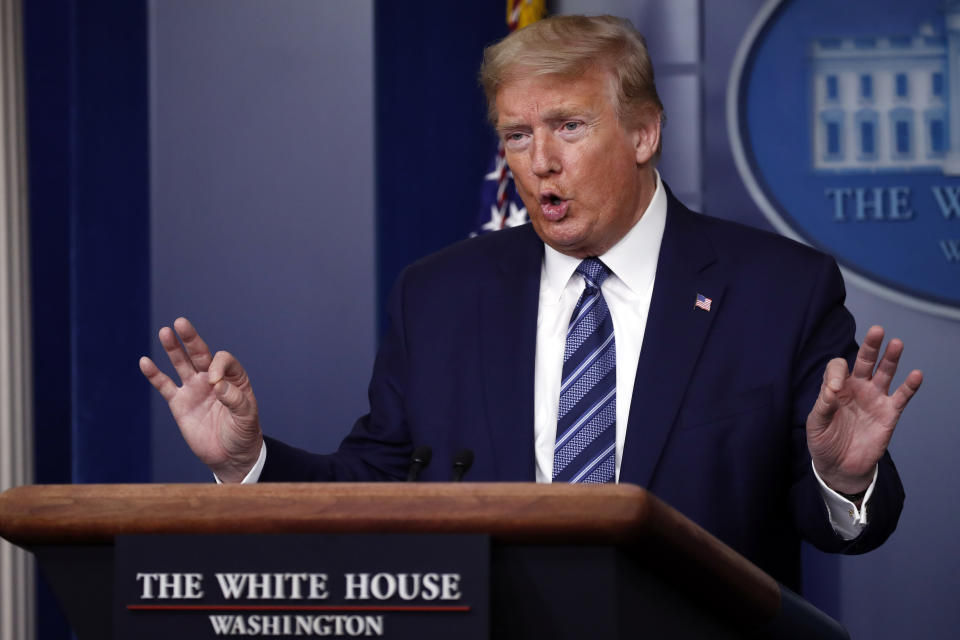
x,y
584,178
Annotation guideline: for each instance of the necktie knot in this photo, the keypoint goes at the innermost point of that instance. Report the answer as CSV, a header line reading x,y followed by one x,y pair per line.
x,y
593,271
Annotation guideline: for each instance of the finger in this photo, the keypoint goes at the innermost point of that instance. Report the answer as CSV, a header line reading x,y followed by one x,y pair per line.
x,y
160,381
178,357
232,397
906,390
835,373
226,367
197,349
868,353
888,365
828,400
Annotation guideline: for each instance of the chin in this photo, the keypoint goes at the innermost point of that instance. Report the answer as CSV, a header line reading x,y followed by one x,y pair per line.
x,y
573,244
574,249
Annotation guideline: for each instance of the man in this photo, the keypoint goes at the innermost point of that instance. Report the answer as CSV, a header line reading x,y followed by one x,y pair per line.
x,y
742,387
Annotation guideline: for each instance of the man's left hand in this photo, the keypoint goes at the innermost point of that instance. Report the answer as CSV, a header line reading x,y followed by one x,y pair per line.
x,y
854,416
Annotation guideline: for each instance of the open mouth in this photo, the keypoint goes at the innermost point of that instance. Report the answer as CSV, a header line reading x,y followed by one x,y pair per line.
x,y
553,206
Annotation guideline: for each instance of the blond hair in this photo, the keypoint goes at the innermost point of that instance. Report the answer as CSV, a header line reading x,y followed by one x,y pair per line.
x,y
570,46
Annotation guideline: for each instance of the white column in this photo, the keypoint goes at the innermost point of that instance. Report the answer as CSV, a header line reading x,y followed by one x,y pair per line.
x,y
17,608
951,166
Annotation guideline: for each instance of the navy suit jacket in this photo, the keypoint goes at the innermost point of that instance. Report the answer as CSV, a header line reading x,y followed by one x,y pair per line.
x,y
716,426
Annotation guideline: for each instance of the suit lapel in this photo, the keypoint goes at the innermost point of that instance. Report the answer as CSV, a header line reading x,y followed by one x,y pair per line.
x,y
508,312
674,336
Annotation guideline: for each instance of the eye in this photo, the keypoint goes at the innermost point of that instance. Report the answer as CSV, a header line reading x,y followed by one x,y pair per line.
x,y
572,125
515,140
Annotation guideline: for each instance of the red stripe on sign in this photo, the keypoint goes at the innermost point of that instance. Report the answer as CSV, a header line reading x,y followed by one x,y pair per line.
x,y
279,607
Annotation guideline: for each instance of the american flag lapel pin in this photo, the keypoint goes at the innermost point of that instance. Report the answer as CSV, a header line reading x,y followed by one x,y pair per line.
x,y
703,302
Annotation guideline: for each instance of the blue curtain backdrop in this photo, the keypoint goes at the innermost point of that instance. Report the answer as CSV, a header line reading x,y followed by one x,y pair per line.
x,y
87,136
86,73
433,143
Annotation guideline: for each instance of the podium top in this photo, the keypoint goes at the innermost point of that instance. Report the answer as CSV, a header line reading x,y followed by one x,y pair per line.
x,y
622,515
94,514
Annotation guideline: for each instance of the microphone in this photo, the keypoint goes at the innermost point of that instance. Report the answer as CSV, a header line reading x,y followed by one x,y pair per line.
x,y
419,461
461,464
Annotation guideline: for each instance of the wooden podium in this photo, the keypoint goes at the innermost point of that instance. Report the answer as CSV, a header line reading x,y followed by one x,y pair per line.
x,y
643,568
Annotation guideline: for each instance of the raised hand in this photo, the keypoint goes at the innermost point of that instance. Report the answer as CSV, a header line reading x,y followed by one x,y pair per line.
x,y
854,416
214,407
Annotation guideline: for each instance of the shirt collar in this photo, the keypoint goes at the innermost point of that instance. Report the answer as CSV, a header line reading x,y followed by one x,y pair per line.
x,y
633,259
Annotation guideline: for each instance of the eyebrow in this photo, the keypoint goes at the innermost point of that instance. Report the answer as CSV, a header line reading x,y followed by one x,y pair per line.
x,y
564,113
551,116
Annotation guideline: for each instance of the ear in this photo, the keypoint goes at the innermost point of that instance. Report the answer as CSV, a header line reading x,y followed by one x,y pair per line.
x,y
646,137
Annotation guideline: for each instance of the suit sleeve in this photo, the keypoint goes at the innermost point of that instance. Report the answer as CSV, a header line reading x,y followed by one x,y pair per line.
x,y
828,332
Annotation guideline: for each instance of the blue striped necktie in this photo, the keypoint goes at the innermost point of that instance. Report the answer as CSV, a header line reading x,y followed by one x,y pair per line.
x,y
585,450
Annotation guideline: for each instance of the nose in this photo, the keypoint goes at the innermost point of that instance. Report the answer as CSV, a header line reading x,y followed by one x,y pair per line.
x,y
545,158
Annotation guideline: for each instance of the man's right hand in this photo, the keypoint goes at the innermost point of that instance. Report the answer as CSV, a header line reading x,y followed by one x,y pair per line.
x,y
215,407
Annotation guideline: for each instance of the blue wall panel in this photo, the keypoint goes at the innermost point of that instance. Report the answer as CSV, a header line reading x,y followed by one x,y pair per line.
x,y
262,207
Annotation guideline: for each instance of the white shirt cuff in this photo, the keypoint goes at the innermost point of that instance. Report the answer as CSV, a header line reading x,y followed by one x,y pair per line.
x,y
253,476
845,518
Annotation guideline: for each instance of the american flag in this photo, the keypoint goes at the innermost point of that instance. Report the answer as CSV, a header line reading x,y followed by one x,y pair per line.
x,y
500,206
702,302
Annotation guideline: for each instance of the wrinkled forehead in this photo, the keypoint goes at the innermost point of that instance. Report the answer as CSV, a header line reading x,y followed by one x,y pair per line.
x,y
589,82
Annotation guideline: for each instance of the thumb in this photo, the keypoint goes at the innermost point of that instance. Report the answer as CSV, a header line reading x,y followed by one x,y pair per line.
x,y
232,398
